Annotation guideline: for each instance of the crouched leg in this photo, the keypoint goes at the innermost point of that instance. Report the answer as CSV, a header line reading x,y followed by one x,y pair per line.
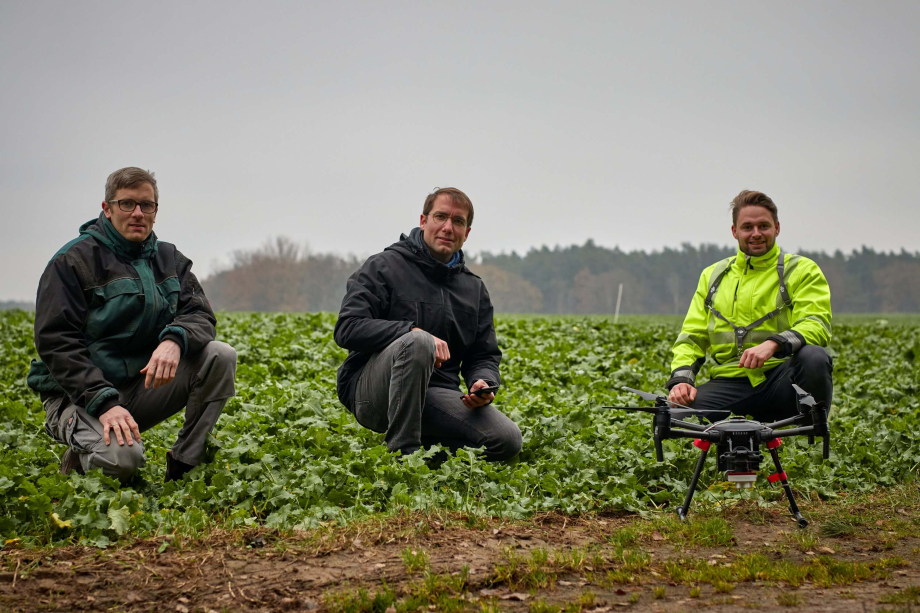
x,y
390,393
72,425
812,370
447,421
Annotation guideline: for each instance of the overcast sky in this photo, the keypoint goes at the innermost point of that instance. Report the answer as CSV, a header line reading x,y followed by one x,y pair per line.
x,y
632,123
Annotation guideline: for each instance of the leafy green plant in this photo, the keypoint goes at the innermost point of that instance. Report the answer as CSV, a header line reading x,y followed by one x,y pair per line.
x,y
286,455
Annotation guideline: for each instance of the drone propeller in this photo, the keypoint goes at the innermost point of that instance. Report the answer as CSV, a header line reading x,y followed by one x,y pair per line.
x,y
804,397
644,395
676,409
673,412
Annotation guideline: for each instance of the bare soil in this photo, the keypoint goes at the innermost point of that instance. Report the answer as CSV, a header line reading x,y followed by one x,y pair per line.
x,y
264,571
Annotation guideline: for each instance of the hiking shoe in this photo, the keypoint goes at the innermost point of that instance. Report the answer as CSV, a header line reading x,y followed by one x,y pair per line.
x,y
70,461
175,469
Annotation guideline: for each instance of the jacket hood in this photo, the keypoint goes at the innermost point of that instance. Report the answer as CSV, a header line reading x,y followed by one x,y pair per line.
x,y
758,262
103,231
413,248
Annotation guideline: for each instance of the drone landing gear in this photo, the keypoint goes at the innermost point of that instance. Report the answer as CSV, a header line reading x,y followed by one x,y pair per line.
x,y
685,508
781,477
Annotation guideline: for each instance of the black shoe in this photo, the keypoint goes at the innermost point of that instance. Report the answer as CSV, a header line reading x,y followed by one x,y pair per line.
x,y
70,461
175,469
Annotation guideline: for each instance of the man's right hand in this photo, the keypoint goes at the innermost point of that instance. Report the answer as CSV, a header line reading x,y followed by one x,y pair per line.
x,y
682,393
118,420
441,352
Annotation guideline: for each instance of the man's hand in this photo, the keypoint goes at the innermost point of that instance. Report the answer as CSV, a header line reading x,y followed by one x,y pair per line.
x,y
756,356
472,401
441,352
682,393
161,369
118,420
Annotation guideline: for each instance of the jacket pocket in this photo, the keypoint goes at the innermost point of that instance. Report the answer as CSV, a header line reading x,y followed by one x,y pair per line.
x,y
115,308
402,309
168,292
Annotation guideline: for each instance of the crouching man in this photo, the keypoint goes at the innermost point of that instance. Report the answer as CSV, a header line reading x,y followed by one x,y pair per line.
x,y
415,319
126,340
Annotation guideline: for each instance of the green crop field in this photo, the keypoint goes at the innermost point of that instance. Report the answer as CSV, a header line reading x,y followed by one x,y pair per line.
x,y
287,455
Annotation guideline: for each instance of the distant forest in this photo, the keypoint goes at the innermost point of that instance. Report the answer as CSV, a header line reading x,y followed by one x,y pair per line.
x,y
282,276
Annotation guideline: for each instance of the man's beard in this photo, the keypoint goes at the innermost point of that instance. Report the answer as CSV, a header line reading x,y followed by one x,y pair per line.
x,y
746,248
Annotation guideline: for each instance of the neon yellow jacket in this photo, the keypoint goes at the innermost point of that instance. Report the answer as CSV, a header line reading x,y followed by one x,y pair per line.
x,y
748,291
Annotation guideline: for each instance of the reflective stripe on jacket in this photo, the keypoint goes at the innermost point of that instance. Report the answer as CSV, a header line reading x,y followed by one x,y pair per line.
x,y
748,291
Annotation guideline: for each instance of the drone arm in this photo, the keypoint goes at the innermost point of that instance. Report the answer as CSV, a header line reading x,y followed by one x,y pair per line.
x,y
805,430
711,436
798,419
688,425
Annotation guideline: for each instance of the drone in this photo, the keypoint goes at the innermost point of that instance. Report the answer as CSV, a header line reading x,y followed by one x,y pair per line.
x,y
738,440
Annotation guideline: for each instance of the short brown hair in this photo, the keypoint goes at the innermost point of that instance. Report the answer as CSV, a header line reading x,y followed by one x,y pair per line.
x,y
752,198
456,196
129,177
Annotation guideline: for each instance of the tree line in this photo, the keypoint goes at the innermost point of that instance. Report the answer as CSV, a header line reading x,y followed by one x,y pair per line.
x,y
584,279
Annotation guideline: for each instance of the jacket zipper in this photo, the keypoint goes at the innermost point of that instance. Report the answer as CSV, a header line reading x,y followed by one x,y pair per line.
x,y
738,284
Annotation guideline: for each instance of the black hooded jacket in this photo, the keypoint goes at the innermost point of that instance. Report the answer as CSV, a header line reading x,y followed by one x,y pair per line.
x,y
403,288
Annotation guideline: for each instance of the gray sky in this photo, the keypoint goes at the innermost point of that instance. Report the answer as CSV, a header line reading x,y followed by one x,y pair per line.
x,y
632,123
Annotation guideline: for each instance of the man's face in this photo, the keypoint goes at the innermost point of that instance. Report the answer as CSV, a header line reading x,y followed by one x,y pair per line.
x,y
755,230
445,228
137,225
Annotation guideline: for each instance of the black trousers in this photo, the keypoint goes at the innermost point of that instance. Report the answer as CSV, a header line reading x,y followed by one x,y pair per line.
x,y
774,399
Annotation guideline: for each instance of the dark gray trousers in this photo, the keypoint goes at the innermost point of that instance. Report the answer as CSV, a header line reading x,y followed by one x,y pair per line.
x,y
392,396
203,384
810,368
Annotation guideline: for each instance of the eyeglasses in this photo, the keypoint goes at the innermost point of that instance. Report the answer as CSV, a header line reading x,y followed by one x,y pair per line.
x,y
128,205
441,218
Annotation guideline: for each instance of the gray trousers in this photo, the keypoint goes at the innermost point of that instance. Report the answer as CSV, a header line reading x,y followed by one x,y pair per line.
x,y
392,396
203,384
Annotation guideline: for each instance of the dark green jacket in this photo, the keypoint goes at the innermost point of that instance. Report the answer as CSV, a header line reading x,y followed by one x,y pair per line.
x,y
104,304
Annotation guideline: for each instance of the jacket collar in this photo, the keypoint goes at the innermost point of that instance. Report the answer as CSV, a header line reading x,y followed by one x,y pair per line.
x,y
103,231
413,248
757,262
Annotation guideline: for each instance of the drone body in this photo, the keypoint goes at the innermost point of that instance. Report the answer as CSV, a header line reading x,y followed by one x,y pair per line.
x,y
738,441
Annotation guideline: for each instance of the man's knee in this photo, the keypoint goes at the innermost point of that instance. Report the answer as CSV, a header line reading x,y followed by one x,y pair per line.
x,y
118,461
506,443
224,355
814,357
419,348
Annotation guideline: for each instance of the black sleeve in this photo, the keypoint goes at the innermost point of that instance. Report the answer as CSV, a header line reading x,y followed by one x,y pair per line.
x,y
482,359
194,324
362,324
60,316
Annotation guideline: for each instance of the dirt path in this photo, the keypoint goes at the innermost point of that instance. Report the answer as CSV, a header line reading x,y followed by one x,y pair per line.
x,y
442,562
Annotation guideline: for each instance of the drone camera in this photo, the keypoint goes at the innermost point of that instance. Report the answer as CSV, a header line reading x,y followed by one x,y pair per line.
x,y
741,465
742,481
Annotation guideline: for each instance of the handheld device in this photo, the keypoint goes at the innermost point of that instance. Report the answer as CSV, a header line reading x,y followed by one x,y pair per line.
x,y
484,390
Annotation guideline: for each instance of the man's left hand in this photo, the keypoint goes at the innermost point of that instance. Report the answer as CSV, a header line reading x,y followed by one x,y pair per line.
x,y
755,357
472,401
161,369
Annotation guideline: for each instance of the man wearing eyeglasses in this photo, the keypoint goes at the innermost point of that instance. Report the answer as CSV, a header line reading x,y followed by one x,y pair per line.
x,y
126,340
415,319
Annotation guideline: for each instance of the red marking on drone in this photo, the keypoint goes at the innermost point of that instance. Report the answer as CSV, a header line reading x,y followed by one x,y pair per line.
x,y
704,445
777,477
774,443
